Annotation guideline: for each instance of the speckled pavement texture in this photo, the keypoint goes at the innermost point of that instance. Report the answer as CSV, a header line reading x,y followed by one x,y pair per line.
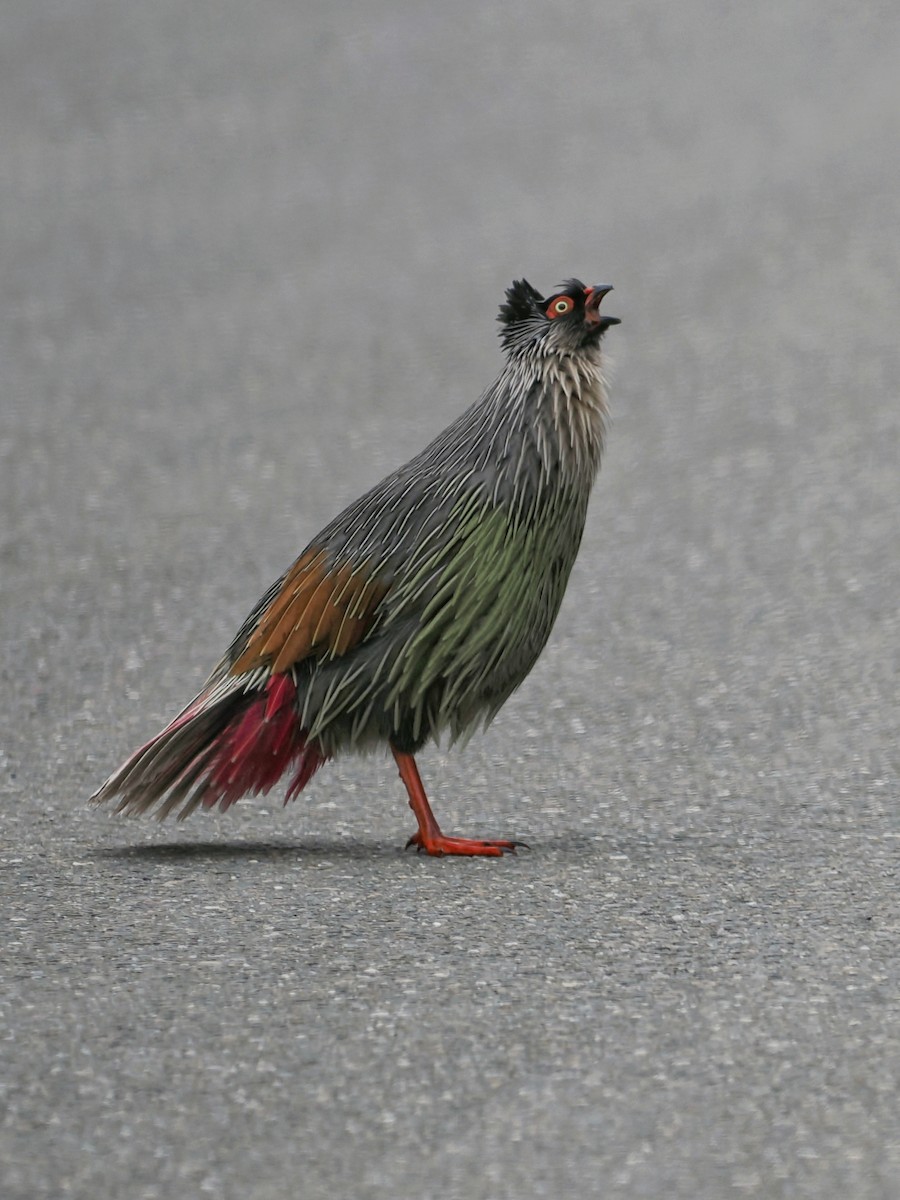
x,y
250,261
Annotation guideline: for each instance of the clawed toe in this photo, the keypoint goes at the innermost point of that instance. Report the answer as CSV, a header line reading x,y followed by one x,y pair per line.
x,y
440,844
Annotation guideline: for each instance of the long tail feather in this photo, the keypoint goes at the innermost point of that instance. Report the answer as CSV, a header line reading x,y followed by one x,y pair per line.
x,y
227,743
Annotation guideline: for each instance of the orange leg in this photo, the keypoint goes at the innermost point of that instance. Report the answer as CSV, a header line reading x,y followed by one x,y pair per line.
x,y
429,837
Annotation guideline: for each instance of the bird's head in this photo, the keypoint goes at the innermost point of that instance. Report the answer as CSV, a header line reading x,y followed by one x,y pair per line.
x,y
564,323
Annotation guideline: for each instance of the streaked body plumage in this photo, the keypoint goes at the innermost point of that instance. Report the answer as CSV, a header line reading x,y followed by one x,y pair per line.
x,y
424,604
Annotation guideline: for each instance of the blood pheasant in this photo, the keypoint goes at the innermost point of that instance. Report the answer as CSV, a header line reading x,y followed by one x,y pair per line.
x,y
422,606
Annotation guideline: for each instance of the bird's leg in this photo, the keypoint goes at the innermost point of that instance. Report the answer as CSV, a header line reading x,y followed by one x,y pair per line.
x,y
429,837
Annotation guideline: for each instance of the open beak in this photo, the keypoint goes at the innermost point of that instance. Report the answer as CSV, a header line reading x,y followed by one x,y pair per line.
x,y
592,308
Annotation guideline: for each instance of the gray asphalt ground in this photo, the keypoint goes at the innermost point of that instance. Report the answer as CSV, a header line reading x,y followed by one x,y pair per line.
x,y
251,258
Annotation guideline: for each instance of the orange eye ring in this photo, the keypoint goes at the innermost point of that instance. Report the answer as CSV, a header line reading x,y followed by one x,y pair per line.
x,y
560,306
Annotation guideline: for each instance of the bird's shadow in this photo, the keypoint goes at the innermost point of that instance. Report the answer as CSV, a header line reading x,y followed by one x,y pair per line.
x,y
172,852
575,845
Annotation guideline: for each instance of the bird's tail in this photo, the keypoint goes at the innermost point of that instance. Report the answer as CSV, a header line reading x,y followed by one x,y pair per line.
x,y
228,742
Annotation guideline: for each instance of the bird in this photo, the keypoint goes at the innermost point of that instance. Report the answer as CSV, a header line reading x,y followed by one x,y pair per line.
x,y
422,606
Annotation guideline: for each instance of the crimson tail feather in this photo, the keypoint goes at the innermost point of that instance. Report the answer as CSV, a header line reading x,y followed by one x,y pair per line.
x,y
227,743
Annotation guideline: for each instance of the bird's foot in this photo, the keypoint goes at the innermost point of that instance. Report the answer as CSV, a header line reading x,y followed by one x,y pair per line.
x,y
439,844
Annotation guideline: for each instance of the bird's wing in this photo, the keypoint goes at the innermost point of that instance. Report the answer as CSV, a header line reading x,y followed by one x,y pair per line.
x,y
319,608
331,598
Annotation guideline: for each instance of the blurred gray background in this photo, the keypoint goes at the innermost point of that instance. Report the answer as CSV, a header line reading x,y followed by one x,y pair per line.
x,y
250,260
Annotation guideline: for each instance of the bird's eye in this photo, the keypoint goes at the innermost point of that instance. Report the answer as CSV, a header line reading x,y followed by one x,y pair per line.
x,y
559,308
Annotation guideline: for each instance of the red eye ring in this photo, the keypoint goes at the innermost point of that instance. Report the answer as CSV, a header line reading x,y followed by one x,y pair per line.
x,y
560,306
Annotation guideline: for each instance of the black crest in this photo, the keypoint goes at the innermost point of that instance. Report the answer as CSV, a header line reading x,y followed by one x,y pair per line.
x,y
572,287
521,301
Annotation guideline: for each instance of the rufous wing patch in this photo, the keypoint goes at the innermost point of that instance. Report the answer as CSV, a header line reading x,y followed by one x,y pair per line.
x,y
318,611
